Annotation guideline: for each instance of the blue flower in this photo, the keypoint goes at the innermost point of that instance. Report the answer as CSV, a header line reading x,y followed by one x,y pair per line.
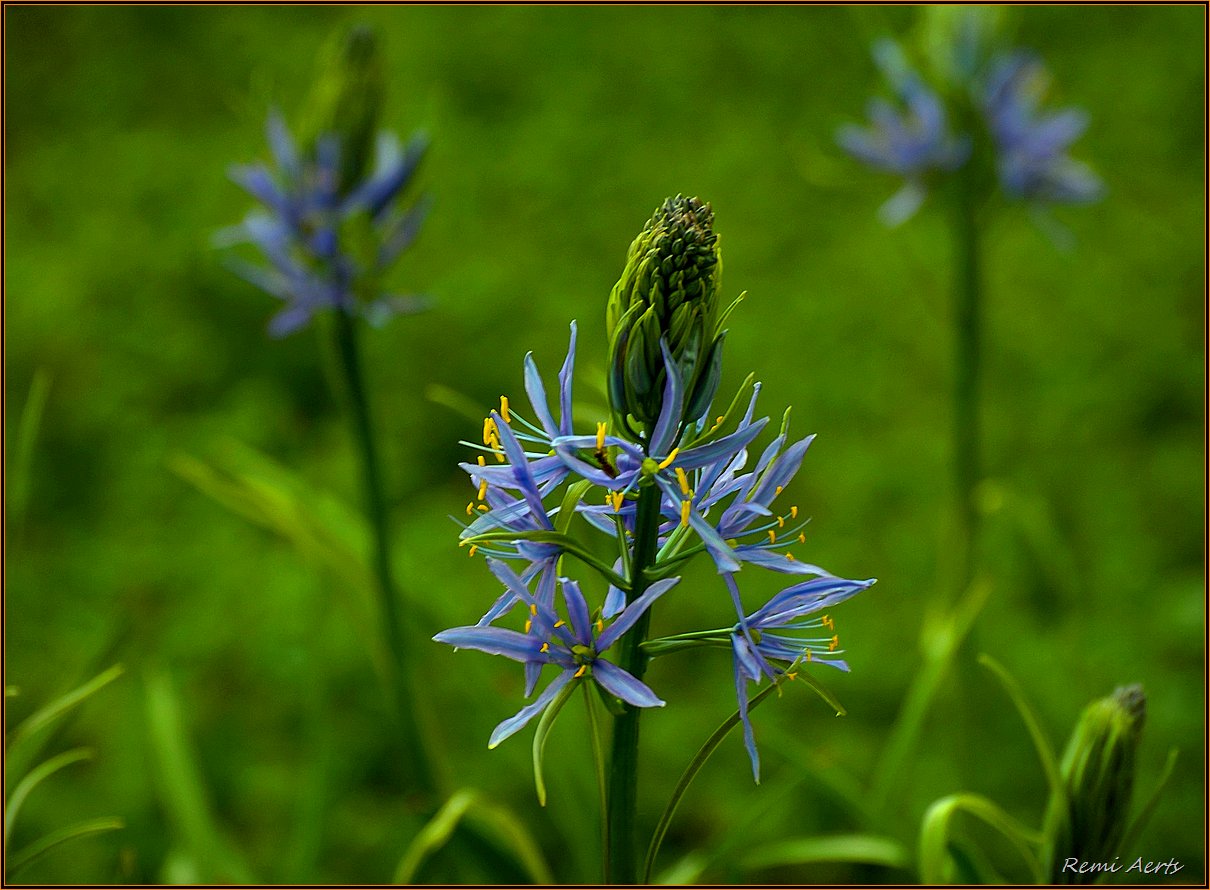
x,y
779,631
327,248
911,141
1032,145
574,645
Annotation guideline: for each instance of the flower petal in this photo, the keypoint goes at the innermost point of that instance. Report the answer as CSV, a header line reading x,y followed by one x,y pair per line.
x,y
517,722
618,682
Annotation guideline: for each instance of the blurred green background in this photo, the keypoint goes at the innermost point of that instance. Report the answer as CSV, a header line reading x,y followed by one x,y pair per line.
x,y
248,737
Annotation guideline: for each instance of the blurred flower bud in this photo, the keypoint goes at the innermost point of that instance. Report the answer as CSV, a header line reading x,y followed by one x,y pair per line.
x,y
1098,776
345,104
668,291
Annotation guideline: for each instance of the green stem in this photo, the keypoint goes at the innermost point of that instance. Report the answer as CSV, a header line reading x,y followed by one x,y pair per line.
x,y
399,678
622,860
967,311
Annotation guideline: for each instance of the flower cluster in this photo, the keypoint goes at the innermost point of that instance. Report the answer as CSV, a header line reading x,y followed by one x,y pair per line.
x,y
533,477
986,108
327,228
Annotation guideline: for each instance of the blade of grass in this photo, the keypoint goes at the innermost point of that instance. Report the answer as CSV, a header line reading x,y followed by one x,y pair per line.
x,y
40,848
857,848
38,774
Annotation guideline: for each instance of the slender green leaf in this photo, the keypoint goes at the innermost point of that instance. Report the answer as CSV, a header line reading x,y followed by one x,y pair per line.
x,y
598,757
20,469
491,817
1030,718
938,648
703,754
41,847
936,828
183,790
545,724
567,510
860,848
1144,815
30,735
37,775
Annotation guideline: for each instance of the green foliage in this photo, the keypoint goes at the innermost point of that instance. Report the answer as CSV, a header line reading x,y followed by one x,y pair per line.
x,y
555,130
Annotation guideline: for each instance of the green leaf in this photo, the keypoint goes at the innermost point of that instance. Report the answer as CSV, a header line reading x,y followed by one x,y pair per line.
x,y
1140,821
28,738
936,828
183,793
1029,717
939,649
41,847
860,848
20,469
567,510
703,754
37,775
545,725
494,819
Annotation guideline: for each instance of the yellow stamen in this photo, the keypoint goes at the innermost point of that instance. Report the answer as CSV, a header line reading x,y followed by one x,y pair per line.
x,y
781,522
470,508
683,479
685,505
482,508
791,675
600,434
719,420
489,430
832,645
600,624
580,672
533,608
772,536
474,549
482,489
667,462
504,409
808,655
790,556
778,491
794,512
545,647
616,498
482,462
528,625
827,622
560,623
802,539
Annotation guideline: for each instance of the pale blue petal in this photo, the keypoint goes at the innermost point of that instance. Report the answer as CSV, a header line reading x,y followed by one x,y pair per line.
x,y
529,712
618,682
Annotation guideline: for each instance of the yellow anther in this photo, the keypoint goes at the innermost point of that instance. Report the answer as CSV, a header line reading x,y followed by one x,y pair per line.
x,y
790,556
616,498
683,479
545,647
794,512
533,608
528,625
489,430
719,420
580,672
808,655
685,505
772,536
470,507
481,460
482,489
667,462
560,623
781,522
802,539
833,644
600,624
504,409
827,622
474,549
483,508
791,675
600,434
778,491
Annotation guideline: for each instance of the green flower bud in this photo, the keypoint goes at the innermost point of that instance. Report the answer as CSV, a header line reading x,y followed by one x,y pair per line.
x,y
668,291
345,103
1098,777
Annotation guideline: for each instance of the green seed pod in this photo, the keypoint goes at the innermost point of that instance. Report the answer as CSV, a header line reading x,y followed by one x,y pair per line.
x,y
1098,776
346,102
668,291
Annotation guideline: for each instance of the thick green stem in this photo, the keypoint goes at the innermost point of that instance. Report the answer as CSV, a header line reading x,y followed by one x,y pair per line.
x,y
622,860
967,289
399,679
